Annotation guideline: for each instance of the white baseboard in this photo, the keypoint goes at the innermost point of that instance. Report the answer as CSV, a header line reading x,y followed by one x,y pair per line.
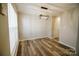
x,y
22,39
32,38
35,38
67,45
50,37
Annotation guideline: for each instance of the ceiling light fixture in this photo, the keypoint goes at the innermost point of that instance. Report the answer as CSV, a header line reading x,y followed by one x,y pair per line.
x,y
45,17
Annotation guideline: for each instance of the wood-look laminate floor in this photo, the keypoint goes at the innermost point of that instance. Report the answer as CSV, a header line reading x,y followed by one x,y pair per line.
x,y
43,47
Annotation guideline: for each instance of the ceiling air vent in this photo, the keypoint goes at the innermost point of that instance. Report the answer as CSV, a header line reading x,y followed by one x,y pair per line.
x,y
44,8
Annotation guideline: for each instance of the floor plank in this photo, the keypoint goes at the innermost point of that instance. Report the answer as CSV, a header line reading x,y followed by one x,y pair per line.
x,y
43,47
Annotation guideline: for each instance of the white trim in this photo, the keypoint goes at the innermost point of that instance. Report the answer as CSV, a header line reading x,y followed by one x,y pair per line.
x,y
34,38
14,52
22,40
50,37
67,45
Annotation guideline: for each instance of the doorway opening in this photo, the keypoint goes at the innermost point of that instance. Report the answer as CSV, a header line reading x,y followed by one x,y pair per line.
x,y
56,27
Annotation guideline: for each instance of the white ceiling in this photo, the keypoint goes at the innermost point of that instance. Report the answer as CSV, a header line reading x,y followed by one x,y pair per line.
x,y
66,6
54,9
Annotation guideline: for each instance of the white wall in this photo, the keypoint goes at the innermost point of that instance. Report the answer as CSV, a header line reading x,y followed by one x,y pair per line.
x,y
31,26
13,28
77,42
69,28
49,27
